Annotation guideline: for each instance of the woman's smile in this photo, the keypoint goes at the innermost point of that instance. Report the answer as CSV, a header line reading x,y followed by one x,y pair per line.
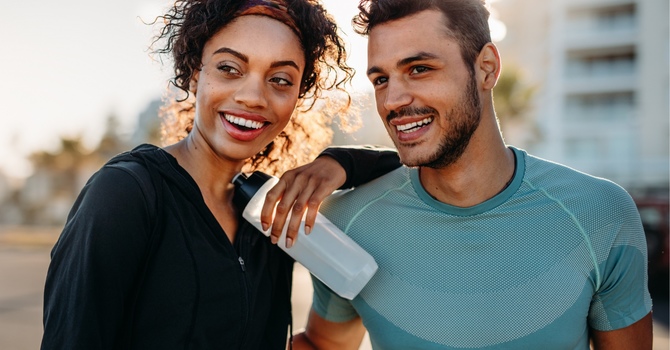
x,y
243,128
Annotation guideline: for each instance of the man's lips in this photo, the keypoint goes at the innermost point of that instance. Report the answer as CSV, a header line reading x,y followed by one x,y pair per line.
x,y
413,126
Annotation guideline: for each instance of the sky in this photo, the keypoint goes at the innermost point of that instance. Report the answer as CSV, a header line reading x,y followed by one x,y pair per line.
x,y
67,65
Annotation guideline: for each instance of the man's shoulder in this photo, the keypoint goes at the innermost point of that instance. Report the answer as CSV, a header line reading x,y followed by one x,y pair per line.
x,y
574,187
354,199
546,172
392,180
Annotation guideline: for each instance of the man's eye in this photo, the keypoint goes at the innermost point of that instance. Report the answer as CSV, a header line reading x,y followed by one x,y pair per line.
x,y
379,81
419,69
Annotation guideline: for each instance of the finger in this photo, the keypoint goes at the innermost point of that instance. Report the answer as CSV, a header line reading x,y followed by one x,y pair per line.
x,y
281,212
301,193
310,219
314,203
292,188
271,199
325,188
294,224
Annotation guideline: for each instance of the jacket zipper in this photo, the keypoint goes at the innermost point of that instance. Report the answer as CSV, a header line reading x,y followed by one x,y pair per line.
x,y
245,287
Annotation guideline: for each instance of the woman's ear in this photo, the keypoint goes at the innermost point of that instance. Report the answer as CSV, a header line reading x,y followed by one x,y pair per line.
x,y
193,83
488,66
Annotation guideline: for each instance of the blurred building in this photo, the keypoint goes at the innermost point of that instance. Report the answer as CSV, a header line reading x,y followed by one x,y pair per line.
x,y
602,71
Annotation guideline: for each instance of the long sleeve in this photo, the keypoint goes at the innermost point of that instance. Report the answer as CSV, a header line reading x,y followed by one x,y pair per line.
x,y
363,163
95,264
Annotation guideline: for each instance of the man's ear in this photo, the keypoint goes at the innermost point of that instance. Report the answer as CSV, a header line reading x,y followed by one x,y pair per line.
x,y
193,83
488,66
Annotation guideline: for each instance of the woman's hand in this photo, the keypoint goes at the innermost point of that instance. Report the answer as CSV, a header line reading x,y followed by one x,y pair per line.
x,y
299,190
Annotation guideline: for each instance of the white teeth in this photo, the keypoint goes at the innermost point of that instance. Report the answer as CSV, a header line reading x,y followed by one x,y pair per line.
x,y
243,122
407,128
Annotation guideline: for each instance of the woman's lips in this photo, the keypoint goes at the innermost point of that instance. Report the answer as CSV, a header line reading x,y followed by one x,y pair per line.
x,y
242,128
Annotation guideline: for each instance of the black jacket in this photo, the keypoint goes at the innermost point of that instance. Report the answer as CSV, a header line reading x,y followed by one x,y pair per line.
x,y
143,264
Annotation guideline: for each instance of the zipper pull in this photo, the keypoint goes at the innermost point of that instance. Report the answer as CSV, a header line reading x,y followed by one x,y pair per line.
x,y
241,263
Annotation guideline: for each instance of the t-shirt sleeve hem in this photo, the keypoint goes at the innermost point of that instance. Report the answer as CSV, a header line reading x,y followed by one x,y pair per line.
x,y
623,322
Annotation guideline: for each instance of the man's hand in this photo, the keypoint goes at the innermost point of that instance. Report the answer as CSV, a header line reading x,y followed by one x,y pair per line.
x,y
299,190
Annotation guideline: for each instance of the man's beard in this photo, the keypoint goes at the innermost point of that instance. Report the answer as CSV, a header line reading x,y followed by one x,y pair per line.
x,y
464,119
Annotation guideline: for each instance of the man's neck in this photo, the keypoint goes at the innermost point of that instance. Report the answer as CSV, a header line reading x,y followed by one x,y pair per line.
x,y
478,175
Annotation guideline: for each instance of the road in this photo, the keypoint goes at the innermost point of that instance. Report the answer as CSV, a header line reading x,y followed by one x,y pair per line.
x,y
22,273
23,270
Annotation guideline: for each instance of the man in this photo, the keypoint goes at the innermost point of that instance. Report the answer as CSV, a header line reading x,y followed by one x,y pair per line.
x,y
479,245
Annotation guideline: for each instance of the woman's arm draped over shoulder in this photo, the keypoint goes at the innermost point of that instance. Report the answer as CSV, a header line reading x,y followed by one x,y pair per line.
x,y
304,188
363,163
91,281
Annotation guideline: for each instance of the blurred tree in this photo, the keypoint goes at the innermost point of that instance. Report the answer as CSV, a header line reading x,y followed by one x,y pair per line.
x,y
511,95
54,182
66,160
59,176
513,99
112,141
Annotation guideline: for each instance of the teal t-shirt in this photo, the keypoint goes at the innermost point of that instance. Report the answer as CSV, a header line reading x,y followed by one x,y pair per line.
x,y
555,253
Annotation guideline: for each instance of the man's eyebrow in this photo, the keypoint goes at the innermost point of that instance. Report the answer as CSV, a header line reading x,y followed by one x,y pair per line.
x,y
418,57
405,61
373,70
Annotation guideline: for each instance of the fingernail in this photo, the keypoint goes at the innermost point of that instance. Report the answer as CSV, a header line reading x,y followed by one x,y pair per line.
x,y
265,226
308,229
273,239
289,243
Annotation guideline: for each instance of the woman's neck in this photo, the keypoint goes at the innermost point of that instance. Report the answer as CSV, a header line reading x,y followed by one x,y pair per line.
x,y
212,174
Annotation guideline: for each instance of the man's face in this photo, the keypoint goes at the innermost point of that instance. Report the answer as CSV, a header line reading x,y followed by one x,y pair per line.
x,y
426,96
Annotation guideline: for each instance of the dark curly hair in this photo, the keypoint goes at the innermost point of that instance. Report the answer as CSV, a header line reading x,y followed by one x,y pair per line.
x,y
189,24
467,20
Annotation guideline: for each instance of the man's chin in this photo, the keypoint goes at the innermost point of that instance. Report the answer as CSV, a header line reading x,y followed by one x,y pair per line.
x,y
410,158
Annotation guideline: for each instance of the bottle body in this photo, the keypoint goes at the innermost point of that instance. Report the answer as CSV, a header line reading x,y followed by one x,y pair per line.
x,y
329,254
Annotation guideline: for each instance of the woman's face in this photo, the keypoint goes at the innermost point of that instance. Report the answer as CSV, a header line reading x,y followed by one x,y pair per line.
x,y
248,86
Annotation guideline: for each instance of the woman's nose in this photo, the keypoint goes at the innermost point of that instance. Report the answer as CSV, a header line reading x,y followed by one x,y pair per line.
x,y
251,92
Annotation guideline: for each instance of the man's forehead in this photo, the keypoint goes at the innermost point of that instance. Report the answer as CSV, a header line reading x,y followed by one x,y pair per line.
x,y
429,24
417,36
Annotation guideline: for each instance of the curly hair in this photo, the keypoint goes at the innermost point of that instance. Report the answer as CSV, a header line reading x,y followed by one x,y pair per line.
x,y
467,20
189,24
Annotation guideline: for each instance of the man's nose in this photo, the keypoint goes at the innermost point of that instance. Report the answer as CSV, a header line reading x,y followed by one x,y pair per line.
x,y
397,95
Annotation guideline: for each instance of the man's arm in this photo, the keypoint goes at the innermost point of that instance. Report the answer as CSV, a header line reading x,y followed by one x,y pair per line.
x,y
324,335
639,335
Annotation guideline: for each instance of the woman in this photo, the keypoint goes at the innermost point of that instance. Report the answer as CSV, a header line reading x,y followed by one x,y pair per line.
x,y
154,255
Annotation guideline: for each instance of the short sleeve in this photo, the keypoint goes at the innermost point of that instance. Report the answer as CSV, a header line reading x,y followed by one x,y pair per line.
x,y
623,297
329,305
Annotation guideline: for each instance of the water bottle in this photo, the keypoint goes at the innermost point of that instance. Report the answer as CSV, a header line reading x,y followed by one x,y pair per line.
x,y
330,255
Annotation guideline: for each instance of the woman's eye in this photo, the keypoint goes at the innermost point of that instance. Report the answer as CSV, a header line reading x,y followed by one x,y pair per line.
x,y
281,81
228,69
